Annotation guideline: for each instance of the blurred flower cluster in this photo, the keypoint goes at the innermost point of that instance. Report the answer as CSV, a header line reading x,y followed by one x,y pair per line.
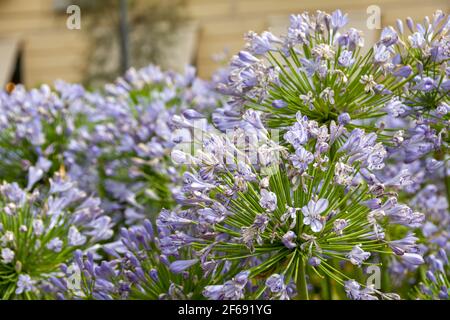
x,y
310,167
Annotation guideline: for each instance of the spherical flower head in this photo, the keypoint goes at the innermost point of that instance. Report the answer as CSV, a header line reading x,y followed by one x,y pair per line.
x,y
286,215
314,71
55,223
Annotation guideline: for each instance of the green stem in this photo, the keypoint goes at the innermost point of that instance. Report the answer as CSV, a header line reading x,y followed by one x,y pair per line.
x,y
385,279
447,186
328,288
302,286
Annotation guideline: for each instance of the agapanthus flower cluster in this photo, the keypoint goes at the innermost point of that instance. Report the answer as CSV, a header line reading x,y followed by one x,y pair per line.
x,y
127,149
432,200
35,129
315,68
436,282
39,230
282,213
418,119
398,89
418,53
138,269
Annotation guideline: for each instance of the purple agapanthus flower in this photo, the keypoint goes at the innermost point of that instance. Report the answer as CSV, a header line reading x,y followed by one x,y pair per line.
x,y
357,256
268,200
230,290
301,159
312,214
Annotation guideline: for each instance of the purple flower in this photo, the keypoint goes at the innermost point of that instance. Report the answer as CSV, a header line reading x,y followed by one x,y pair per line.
x,y
279,104
405,245
363,148
399,24
389,36
55,245
192,114
445,85
314,261
173,219
351,39
172,243
410,24
230,290
268,200
59,185
404,215
354,291
339,225
214,292
100,228
75,237
181,265
290,213
381,54
7,255
403,72
310,67
247,58
301,159
344,118
38,227
24,284
414,259
289,240
195,183
417,40
431,276
311,214
13,193
297,135
357,256
275,283
395,107
213,215
443,293
436,264
426,84
261,44
254,118
443,255
443,109
346,59
35,173
338,20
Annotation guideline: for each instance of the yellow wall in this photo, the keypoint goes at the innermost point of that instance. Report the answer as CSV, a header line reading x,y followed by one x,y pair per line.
x,y
223,22
52,51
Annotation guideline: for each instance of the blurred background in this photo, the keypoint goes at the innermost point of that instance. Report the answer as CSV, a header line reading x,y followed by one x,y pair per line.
x,y
37,46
